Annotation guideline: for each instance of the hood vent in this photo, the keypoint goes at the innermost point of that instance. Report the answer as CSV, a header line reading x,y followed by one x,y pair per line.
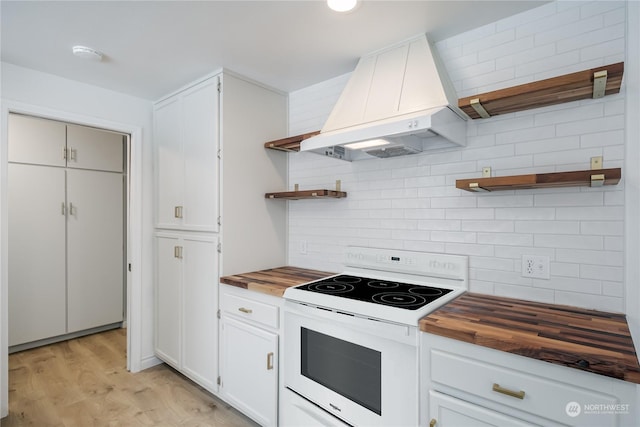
x,y
398,101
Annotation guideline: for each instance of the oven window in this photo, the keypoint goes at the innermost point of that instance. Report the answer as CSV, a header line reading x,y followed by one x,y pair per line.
x,y
349,369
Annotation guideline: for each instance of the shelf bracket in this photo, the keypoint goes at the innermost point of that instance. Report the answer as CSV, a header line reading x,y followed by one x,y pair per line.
x,y
596,163
473,186
599,83
478,108
338,185
486,172
597,180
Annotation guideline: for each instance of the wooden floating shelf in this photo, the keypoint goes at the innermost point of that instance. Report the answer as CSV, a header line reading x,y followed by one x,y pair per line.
x,y
307,194
593,83
585,178
290,144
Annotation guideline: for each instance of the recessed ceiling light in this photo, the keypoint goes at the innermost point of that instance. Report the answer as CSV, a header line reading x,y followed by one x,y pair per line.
x,y
342,5
87,53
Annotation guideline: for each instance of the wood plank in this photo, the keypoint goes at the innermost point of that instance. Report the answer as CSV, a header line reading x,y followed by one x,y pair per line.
x,y
291,143
555,90
306,194
274,281
541,180
589,340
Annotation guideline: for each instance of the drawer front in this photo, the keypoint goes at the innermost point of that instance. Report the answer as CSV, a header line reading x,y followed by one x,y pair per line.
x,y
249,309
556,401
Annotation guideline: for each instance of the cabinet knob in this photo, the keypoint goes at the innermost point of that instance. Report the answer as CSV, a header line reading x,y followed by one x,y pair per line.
x,y
433,422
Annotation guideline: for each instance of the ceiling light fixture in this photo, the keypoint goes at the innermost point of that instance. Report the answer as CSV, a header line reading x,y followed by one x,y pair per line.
x,y
87,53
342,5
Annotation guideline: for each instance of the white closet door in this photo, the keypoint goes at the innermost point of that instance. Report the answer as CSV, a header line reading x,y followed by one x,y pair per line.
x,y
37,298
201,143
95,262
170,162
36,141
90,148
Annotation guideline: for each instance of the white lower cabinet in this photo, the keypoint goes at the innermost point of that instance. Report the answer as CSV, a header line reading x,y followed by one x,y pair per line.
x,y
464,384
186,300
249,353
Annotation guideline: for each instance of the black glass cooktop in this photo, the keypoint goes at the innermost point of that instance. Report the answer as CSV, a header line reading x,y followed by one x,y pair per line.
x,y
395,294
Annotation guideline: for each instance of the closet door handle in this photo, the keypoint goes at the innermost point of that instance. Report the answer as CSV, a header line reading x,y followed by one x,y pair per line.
x,y
64,153
73,153
63,210
72,209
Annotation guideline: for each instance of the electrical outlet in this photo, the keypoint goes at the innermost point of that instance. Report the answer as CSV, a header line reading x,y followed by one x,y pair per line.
x,y
536,266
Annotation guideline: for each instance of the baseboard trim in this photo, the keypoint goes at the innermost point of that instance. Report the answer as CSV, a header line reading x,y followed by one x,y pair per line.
x,y
149,362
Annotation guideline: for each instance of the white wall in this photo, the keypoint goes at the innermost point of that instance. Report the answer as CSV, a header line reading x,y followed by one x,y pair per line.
x,y
411,202
47,95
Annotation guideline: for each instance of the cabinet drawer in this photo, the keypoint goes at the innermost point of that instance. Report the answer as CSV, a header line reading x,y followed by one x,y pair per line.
x,y
246,308
517,389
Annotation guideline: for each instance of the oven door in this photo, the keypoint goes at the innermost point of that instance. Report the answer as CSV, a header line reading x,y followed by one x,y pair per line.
x,y
363,371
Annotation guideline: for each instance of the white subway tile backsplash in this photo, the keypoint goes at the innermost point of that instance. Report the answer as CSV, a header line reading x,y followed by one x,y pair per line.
x,y
411,202
548,227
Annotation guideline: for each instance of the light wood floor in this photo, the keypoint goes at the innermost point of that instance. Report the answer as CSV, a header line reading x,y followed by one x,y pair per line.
x,y
84,382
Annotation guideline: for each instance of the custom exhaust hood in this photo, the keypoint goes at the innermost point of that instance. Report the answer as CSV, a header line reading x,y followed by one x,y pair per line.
x,y
398,101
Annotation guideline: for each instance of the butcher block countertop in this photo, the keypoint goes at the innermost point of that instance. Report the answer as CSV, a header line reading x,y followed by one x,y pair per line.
x,y
274,281
589,340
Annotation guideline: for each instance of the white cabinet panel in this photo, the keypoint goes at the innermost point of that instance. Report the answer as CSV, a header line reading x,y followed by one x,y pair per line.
x,y
95,248
187,142
199,314
168,299
186,305
36,141
448,411
169,162
90,148
250,370
37,299
200,137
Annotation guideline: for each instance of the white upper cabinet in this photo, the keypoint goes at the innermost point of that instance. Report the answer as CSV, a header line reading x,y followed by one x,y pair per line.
x,y
89,148
40,141
187,143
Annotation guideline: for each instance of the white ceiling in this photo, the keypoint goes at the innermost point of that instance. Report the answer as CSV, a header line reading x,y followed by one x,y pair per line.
x,y
152,48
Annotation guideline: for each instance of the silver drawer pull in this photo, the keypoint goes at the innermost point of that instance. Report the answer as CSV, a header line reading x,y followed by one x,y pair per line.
x,y
516,394
269,361
245,310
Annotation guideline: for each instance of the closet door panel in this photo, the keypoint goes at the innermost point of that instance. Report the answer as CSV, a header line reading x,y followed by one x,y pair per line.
x,y
37,297
95,262
36,141
91,148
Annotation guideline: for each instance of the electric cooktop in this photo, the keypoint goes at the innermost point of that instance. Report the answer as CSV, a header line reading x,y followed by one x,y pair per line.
x,y
390,293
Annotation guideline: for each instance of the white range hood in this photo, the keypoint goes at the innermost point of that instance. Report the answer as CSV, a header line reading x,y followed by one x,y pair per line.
x,y
398,101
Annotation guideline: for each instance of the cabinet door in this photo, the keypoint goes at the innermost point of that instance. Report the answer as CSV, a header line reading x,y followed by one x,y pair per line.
x,y
169,163
36,141
168,299
200,144
36,242
448,411
95,248
90,148
249,370
199,310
